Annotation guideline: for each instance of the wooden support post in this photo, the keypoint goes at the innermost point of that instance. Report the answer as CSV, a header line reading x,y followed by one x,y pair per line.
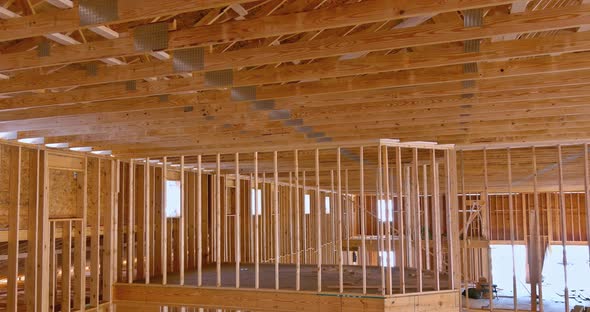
x,y
339,212
147,219
408,218
131,222
388,220
318,218
95,240
238,249
416,201
563,227
109,236
400,205
199,222
276,217
181,230
452,218
436,219
33,243
297,223
52,268
66,265
464,206
511,211
44,236
587,197
164,233
348,216
426,216
79,284
363,225
537,241
380,215
13,227
121,174
488,233
304,222
218,221
256,226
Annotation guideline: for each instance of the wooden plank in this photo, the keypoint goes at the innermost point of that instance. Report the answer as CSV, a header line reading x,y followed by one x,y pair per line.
x,y
42,295
256,225
68,20
147,219
298,194
94,222
257,300
562,217
181,222
66,271
131,223
13,228
33,241
110,234
363,209
587,194
497,52
199,222
79,283
322,18
277,246
163,221
217,214
401,230
416,208
339,212
238,246
318,225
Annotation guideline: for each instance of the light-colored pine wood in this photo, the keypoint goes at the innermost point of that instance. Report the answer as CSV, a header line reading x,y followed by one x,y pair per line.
x,y
562,216
14,227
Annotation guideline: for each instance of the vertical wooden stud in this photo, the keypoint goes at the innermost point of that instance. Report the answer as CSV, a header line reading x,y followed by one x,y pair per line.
x,y
13,228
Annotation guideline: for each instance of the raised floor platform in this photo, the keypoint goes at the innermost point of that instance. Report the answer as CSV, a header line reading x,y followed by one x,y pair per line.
x,y
148,298
141,297
352,278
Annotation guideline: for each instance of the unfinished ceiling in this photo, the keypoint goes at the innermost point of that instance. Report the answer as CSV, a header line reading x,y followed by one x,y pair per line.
x,y
149,78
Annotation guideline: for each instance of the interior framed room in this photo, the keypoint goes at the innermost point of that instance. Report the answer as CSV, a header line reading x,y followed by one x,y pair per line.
x,y
294,155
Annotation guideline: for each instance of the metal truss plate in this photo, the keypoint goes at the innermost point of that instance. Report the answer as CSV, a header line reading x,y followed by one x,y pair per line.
x,y
151,37
44,48
94,12
220,78
243,93
279,114
188,60
263,105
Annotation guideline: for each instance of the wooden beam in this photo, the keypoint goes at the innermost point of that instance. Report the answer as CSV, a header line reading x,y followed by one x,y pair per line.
x,y
562,217
33,239
68,20
325,68
205,35
14,221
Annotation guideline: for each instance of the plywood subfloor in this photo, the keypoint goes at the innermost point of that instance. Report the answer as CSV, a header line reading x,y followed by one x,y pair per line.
x,y
352,278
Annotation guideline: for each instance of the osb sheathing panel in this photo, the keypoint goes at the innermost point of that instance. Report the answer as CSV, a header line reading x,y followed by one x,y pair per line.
x,y
64,189
5,173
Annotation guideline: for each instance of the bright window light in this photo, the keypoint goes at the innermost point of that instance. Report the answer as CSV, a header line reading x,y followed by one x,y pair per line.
x,y
385,210
32,140
258,210
81,149
384,259
307,204
57,145
327,204
172,199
